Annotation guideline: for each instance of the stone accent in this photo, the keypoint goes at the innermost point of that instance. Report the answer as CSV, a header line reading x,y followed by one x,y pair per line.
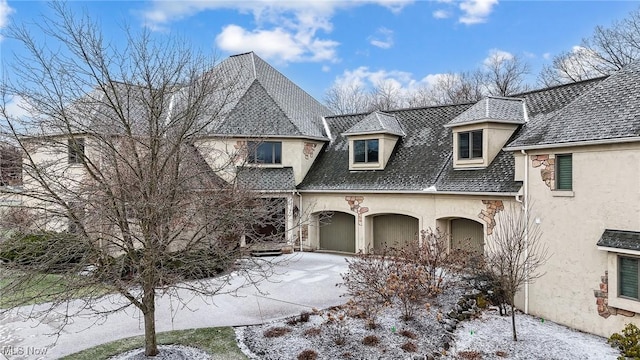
x,y
602,300
354,204
308,150
547,164
488,215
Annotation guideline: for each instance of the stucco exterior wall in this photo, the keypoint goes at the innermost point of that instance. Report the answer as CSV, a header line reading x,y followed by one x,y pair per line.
x,y
605,195
431,210
224,154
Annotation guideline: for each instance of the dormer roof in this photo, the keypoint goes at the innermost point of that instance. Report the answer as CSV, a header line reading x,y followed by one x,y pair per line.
x,y
493,109
377,122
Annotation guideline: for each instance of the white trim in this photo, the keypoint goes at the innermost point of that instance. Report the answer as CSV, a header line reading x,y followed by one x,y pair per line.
x,y
619,251
484,120
426,191
575,143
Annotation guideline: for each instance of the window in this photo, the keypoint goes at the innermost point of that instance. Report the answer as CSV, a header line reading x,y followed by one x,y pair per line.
x,y
564,172
266,152
365,151
628,277
470,145
75,150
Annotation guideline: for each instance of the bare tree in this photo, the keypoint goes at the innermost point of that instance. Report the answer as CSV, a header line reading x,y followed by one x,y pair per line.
x,y
113,171
514,253
504,75
347,99
607,50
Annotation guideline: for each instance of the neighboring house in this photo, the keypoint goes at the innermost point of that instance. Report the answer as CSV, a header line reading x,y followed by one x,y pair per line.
x,y
355,182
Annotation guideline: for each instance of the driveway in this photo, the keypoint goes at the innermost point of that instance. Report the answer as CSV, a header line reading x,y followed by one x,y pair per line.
x,y
303,281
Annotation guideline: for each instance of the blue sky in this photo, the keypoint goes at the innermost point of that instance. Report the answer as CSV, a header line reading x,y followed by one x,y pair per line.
x,y
318,43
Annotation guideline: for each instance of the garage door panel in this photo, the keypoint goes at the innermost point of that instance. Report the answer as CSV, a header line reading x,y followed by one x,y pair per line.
x,y
338,232
394,230
467,235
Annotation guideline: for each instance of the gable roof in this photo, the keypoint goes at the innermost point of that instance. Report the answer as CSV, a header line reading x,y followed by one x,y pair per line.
x,y
376,123
492,109
606,111
265,99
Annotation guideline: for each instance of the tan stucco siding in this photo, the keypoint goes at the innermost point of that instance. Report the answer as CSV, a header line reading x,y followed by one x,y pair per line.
x,y
605,195
430,209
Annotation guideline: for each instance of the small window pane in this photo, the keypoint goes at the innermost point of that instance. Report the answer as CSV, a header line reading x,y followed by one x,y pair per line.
x,y
75,150
477,144
628,277
359,151
277,153
264,154
564,172
372,150
463,145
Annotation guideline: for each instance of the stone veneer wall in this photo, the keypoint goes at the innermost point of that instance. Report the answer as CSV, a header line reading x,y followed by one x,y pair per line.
x,y
547,162
488,215
308,150
354,203
602,300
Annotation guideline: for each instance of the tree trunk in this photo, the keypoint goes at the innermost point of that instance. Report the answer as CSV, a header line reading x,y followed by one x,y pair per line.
x,y
150,344
513,321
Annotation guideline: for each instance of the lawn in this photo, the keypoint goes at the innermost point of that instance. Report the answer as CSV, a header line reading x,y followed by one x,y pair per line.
x,y
219,343
40,288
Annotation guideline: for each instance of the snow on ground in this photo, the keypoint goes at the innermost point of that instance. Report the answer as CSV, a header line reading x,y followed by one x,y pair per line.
x,y
537,339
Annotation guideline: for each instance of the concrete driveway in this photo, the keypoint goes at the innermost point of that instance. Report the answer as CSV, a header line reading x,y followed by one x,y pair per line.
x,y
302,282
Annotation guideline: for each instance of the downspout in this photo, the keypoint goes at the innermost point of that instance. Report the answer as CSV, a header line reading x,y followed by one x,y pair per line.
x,y
525,207
299,218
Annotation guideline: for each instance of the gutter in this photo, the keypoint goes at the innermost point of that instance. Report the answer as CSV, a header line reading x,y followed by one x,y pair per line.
x,y
575,143
413,192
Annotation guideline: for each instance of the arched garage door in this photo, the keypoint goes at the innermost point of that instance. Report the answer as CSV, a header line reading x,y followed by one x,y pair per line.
x,y
467,235
394,230
337,231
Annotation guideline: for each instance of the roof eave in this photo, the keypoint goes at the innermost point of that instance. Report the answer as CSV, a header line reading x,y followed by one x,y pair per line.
x,y
484,120
244,136
373,132
574,143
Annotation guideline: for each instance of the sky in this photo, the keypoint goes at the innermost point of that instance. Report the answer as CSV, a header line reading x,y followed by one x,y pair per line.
x,y
320,43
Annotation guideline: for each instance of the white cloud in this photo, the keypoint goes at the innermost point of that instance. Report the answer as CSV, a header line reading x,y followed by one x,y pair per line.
x,y
365,78
382,39
5,13
496,56
17,108
441,14
276,44
476,11
546,56
296,24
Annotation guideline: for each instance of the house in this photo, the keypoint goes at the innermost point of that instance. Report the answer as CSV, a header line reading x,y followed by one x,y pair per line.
x,y
357,182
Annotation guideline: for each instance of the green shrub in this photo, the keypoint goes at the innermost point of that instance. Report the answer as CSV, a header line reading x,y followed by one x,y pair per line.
x,y
45,251
627,342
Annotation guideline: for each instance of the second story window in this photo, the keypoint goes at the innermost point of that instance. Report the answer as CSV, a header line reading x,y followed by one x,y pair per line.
x,y
470,145
564,172
365,151
75,150
265,152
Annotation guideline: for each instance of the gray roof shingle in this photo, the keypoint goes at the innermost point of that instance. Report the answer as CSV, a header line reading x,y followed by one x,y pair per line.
x,y
420,160
494,109
375,123
266,179
620,239
260,91
608,110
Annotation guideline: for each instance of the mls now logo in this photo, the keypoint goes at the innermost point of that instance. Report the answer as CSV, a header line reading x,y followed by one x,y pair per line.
x,y
22,351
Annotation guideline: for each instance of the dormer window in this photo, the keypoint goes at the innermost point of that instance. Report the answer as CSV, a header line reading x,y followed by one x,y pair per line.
x,y
365,151
265,152
470,145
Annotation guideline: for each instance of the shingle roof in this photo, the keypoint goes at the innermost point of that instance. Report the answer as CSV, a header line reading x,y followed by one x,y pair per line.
x,y
421,159
260,92
620,239
266,179
608,110
375,123
494,109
